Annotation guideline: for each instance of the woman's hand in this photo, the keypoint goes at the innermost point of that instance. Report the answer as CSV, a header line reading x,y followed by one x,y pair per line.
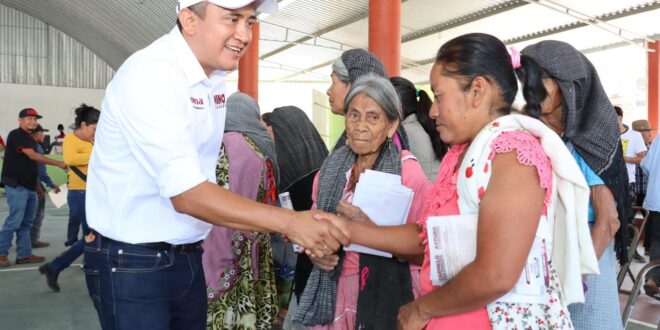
x,y
326,263
353,213
606,222
410,317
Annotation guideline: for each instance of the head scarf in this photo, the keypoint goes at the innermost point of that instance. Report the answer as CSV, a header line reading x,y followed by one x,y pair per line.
x,y
360,62
299,146
589,120
243,117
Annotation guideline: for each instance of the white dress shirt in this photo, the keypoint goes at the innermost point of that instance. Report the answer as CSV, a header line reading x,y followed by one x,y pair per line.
x,y
159,135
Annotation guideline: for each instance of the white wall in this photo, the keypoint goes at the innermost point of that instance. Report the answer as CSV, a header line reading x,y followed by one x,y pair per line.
x,y
55,104
623,73
274,95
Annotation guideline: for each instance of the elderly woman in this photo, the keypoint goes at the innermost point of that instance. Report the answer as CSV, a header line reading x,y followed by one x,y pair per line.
x,y
238,264
563,90
506,174
364,290
353,64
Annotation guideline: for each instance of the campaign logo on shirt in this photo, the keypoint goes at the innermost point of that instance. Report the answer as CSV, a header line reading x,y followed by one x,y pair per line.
x,y
219,100
197,103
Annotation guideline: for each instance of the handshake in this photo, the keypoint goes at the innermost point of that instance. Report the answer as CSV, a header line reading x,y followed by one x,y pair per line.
x,y
321,233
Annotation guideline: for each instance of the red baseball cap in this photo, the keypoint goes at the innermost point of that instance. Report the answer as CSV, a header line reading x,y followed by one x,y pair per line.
x,y
29,112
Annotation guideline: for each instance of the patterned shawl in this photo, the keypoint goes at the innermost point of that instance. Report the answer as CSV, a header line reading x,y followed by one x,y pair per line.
x,y
243,117
590,120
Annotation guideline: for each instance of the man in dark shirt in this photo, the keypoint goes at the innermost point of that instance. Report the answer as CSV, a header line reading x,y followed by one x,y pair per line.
x,y
20,178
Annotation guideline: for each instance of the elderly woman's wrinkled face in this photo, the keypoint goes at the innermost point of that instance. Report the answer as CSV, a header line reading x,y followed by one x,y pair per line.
x,y
367,125
450,108
336,94
552,106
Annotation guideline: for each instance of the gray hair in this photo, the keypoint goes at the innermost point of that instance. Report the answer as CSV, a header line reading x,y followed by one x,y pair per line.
x,y
339,69
381,91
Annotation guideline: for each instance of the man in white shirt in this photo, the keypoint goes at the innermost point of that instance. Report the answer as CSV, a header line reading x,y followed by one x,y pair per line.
x,y
634,150
151,192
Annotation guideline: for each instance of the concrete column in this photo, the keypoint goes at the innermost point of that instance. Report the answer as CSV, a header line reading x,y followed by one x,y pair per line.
x,y
654,84
385,33
248,67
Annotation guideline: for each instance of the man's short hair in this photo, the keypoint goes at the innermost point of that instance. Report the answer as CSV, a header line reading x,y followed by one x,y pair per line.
x,y
619,111
198,9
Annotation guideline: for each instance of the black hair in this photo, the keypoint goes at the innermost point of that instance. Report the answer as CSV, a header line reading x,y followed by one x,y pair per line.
x,y
86,114
60,127
619,111
418,102
479,54
531,77
199,9
266,118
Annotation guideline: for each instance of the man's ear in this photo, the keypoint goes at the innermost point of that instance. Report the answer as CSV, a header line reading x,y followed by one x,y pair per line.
x,y
189,22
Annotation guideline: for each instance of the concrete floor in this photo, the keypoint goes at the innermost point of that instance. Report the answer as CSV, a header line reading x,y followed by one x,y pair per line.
x,y
25,300
26,303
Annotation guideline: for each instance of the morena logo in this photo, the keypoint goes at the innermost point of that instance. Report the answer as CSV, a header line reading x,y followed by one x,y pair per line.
x,y
197,101
219,99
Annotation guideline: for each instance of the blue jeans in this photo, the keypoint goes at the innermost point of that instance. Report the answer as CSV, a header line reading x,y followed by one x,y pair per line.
x,y
22,208
135,287
67,257
77,217
35,231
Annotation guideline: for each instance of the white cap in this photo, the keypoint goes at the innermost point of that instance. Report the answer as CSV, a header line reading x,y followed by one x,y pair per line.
x,y
261,6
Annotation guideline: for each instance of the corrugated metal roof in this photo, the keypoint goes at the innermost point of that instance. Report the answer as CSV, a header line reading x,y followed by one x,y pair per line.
x,y
306,34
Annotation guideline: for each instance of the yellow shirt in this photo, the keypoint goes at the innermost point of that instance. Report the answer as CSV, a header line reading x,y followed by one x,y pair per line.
x,y
76,152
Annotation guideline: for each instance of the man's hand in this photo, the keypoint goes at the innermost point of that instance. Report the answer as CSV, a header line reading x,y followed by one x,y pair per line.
x,y
56,189
338,221
318,237
62,166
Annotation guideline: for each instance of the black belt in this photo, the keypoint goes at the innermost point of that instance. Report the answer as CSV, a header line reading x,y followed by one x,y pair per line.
x,y
163,246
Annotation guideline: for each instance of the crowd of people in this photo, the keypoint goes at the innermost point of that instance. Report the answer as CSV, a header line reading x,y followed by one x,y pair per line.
x,y
175,185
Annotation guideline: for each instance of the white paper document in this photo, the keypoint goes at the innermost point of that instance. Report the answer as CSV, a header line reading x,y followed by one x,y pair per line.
x,y
452,245
383,198
535,278
58,199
